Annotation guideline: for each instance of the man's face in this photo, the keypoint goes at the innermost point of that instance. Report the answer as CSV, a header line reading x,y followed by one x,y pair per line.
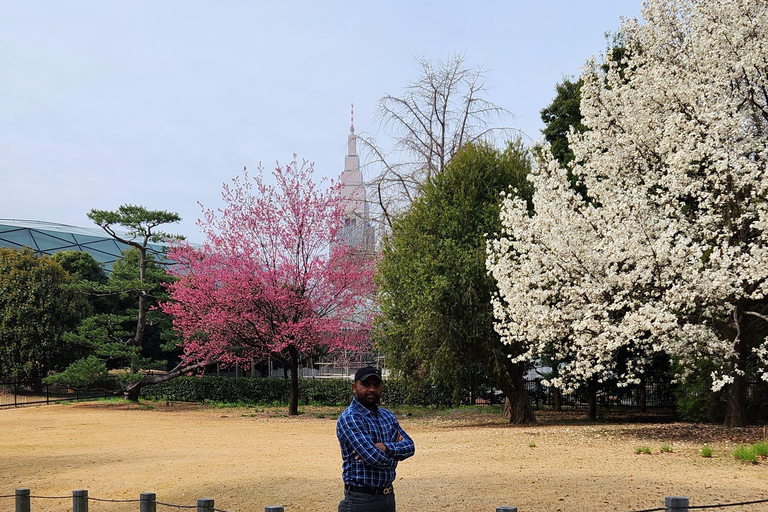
x,y
368,391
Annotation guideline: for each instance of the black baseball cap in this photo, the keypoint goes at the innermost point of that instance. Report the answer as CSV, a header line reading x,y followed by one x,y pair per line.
x,y
367,371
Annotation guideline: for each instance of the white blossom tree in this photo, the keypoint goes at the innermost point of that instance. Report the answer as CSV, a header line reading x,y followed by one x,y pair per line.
x,y
670,251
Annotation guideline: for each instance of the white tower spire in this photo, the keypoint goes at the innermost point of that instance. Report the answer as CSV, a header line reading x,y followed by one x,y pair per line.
x,y
352,162
357,230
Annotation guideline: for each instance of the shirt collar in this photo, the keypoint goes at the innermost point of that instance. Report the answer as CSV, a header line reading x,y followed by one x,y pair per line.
x,y
363,409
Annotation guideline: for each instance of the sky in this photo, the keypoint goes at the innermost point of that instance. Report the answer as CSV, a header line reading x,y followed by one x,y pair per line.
x,y
159,103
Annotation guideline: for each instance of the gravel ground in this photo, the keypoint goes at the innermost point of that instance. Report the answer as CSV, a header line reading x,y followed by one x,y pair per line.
x,y
246,459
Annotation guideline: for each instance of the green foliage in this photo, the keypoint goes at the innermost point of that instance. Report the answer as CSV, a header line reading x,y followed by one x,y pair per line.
x,y
760,449
81,373
745,454
110,334
751,453
139,222
706,451
437,322
325,391
36,308
694,398
221,390
262,391
81,266
665,448
423,392
563,113
127,329
643,450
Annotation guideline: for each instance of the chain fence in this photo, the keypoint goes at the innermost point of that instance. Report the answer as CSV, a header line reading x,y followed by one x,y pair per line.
x,y
148,503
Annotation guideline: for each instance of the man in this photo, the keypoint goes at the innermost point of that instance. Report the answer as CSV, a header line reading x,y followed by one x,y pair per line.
x,y
372,443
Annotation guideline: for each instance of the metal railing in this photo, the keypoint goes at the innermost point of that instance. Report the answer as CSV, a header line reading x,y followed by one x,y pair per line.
x,y
21,393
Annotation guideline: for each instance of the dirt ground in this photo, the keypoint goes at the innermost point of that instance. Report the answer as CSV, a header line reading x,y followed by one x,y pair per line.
x,y
246,459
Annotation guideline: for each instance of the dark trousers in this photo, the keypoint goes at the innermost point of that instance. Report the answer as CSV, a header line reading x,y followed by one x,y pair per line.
x,y
361,502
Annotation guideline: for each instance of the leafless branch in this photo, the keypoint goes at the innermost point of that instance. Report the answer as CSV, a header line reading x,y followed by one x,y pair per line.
x,y
437,114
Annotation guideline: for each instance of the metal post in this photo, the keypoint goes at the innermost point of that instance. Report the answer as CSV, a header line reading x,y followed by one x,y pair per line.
x,y
80,500
147,502
275,508
204,505
506,509
676,504
22,500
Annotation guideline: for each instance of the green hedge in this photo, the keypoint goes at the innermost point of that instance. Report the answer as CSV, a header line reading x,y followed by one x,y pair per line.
x,y
333,392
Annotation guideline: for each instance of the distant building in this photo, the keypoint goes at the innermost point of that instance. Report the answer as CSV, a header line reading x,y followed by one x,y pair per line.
x,y
47,238
358,231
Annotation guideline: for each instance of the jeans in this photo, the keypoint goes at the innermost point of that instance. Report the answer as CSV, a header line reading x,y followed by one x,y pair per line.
x,y
361,502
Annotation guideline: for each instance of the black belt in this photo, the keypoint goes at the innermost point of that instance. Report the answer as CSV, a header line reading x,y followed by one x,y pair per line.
x,y
368,490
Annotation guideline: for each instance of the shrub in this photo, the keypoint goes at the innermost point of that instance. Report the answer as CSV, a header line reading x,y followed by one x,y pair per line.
x,y
706,451
643,449
665,449
695,400
261,391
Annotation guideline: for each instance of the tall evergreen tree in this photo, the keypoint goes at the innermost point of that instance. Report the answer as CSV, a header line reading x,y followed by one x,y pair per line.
x,y
36,308
437,319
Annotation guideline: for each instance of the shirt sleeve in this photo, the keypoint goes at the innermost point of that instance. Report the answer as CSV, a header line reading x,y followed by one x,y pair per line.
x,y
403,449
352,432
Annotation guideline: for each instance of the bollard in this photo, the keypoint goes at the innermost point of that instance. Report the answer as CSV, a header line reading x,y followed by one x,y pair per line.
x,y
274,508
506,509
676,504
205,505
22,500
80,500
148,502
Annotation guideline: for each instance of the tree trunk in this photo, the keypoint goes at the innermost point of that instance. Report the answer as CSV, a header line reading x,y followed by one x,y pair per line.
x,y
558,396
517,405
736,396
293,408
592,399
132,391
141,320
736,404
642,396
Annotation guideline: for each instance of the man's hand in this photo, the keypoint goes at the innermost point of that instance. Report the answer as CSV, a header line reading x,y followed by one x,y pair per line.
x,y
380,446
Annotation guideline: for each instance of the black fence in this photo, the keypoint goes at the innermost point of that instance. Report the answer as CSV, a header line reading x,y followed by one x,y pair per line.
x,y
653,394
16,394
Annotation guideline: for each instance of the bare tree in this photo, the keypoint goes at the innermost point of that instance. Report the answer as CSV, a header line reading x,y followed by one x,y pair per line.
x,y
437,114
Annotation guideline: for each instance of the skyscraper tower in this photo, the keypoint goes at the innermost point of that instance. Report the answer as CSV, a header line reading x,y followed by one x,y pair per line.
x,y
357,231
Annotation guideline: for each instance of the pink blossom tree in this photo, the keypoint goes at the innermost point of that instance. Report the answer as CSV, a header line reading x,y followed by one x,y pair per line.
x,y
272,278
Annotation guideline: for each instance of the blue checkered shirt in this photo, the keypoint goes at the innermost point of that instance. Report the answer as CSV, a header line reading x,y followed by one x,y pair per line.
x,y
358,429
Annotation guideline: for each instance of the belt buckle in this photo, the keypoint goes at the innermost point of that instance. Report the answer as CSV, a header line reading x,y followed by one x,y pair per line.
x,y
387,490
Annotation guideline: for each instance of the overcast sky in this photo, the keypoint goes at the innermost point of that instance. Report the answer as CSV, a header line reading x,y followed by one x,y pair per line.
x,y
158,103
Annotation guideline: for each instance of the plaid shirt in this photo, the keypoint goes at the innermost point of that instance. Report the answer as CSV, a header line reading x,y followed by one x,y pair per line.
x,y
358,429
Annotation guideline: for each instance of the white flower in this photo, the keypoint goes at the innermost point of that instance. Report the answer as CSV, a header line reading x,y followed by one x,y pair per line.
x,y
672,251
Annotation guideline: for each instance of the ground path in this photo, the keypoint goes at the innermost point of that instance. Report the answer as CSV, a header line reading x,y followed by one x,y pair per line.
x,y
247,459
